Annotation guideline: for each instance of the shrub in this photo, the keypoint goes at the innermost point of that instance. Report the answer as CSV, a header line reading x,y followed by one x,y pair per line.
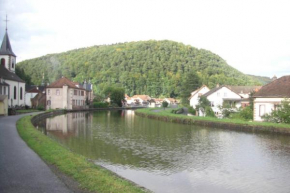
x,y
100,105
209,112
40,107
191,110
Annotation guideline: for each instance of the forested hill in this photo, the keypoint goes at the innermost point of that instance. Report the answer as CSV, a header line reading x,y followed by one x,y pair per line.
x,y
145,67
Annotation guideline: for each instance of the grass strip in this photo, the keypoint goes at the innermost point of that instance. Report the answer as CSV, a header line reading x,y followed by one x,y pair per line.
x,y
90,176
167,113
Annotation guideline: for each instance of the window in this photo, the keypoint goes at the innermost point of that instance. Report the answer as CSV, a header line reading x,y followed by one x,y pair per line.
x,y
21,93
82,93
48,92
3,62
48,102
212,103
57,92
12,64
75,92
15,93
225,94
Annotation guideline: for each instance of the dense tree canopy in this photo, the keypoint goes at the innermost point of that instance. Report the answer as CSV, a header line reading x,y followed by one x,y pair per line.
x,y
156,68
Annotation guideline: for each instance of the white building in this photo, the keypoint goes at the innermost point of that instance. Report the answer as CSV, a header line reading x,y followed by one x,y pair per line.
x,y
219,95
195,95
16,89
270,96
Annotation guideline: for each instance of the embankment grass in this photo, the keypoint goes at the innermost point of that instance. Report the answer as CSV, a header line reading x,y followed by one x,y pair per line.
x,y
167,113
90,176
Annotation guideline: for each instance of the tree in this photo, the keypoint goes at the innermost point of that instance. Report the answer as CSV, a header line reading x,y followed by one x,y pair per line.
x,y
164,104
117,96
281,114
204,106
190,83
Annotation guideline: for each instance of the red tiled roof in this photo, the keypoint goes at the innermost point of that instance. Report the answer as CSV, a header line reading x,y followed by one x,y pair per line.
x,y
63,81
279,88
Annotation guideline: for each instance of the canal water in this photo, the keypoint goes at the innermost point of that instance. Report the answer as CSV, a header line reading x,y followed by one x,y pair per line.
x,y
169,157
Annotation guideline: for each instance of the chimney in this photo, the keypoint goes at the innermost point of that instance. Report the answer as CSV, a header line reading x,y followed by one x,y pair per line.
x,y
218,85
274,78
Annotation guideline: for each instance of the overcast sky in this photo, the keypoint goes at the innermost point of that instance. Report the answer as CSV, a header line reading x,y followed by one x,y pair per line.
x,y
253,36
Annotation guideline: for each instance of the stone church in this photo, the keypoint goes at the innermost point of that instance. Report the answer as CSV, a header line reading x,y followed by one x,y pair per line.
x,y
11,85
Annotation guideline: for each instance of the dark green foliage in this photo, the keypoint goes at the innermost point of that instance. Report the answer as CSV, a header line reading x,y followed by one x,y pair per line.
x,y
204,107
281,114
40,108
100,105
117,96
164,104
191,110
190,83
246,113
147,67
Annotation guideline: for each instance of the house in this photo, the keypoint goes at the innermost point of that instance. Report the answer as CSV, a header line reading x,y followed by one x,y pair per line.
x,y
65,94
195,95
245,92
15,90
138,99
31,92
170,101
39,100
217,96
270,96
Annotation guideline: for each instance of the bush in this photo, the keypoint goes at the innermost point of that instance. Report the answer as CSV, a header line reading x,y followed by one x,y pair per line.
x,y
209,112
177,111
191,110
246,113
164,104
100,105
40,107
281,114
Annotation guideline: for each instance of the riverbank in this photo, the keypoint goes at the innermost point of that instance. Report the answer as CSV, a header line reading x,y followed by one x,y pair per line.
x,y
89,176
166,115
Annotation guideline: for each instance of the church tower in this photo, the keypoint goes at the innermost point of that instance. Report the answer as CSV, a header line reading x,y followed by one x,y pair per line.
x,y
7,57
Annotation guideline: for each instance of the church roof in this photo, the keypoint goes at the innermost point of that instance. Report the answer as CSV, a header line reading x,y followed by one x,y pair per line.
x,y
6,48
7,75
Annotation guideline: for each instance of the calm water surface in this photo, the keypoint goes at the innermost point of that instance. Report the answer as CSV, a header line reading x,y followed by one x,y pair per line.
x,y
168,157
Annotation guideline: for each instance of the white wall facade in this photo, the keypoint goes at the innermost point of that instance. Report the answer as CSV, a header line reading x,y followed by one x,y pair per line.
x,y
264,106
194,99
18,100
217,98
28,97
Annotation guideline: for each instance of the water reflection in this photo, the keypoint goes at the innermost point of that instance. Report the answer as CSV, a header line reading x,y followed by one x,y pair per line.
x,y
167,157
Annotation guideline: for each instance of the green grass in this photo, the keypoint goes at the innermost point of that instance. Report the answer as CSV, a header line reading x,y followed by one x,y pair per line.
x,y
90,176
166,113
27,110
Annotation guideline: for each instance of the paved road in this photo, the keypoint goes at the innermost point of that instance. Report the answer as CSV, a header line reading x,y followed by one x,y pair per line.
x,y
21,170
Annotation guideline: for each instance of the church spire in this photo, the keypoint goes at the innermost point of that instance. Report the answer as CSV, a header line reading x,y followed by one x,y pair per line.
x,y
6,48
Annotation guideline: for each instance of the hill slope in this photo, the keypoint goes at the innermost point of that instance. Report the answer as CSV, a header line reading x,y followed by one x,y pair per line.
x,y
146,67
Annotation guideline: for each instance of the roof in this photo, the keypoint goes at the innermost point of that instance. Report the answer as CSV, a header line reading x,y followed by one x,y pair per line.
x,y
279,88
217,88
244,89
196,91
170,99
143,97
63,81
7,75
6,48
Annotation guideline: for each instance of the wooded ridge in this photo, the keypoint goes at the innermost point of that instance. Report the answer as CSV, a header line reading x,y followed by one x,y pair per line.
x,y
156,68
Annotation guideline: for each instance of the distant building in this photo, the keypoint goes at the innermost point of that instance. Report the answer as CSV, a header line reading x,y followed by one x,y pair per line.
x,y
65,94
270,96
16,86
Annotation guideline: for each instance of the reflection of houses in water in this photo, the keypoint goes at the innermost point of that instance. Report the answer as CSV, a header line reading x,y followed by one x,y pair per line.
x,y
129,117
71,124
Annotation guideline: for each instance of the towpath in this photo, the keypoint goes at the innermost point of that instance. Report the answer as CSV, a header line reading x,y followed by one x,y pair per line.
x,y
21,169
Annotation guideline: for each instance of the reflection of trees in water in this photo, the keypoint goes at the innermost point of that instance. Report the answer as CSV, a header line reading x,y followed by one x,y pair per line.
x,y
117,137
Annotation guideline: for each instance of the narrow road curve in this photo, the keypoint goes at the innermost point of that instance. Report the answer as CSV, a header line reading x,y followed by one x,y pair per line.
x,y
21,169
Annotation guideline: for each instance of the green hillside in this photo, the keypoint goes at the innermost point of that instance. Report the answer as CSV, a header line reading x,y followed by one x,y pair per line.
x,y
145,67
262,79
